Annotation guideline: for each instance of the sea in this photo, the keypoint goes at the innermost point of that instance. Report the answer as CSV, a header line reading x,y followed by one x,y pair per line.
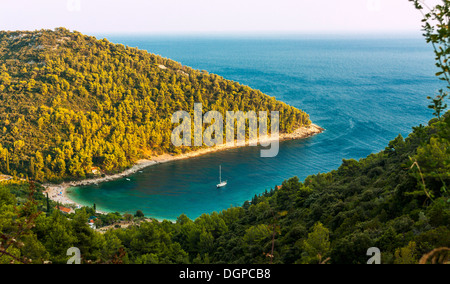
x,y
365,90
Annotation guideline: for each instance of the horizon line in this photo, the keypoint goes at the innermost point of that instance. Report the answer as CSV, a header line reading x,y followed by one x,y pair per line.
x,y
244,32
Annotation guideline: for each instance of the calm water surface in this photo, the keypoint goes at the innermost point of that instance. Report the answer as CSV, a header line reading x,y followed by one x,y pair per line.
x,y
365,92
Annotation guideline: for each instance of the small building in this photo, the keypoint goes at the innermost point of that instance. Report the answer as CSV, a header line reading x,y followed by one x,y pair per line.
x,y
92,219
91,222
96,171
65,210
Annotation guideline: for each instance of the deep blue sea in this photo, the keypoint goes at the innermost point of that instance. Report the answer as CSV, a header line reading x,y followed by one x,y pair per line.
x,y
363,90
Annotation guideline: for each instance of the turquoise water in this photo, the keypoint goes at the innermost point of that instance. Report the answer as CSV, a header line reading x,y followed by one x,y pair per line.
x,y
363,91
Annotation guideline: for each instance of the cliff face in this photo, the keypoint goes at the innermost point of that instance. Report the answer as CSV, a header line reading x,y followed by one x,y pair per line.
x,y
70,102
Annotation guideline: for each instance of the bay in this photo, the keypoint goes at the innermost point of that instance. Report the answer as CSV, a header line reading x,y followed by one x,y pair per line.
x,y
363,90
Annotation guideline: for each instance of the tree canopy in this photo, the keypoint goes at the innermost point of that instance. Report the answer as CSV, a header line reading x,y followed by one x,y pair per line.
x,y
71,103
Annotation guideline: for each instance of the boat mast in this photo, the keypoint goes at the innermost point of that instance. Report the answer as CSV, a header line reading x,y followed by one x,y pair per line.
x,y
220,178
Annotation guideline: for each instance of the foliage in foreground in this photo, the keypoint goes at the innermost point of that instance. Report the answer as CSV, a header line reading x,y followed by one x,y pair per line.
x,y
382,201
397,200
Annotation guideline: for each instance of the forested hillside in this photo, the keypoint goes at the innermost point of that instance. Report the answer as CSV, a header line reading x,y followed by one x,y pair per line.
x,y
62,112
70,102
397,200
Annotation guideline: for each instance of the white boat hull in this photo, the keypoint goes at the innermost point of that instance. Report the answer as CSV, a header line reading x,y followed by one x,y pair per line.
x,y
223,184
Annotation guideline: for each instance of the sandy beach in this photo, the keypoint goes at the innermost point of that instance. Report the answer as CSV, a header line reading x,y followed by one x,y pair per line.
x,y
58,192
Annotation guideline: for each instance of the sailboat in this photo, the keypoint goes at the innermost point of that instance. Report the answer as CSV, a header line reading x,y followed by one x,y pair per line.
x,y
222,183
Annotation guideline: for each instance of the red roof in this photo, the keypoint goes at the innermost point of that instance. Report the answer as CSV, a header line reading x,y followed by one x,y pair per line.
x,y
63,209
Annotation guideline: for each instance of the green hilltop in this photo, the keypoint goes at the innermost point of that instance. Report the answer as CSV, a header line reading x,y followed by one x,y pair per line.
x,y
70,102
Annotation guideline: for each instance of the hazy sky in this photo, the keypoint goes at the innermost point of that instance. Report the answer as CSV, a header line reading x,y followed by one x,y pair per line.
x,y
211,16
